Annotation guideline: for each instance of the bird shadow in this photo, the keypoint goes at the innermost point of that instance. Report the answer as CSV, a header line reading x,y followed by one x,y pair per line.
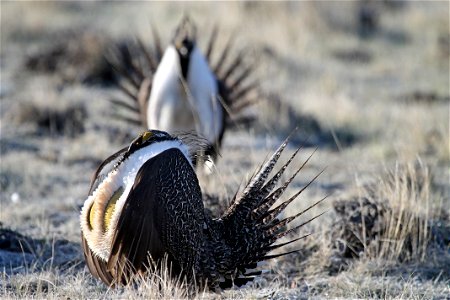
x,y
23,254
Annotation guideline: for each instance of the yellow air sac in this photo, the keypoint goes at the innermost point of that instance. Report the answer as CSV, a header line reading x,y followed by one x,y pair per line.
x,y
108,212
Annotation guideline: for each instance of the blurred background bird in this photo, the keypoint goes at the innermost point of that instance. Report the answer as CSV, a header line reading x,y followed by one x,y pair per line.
x,y
180,89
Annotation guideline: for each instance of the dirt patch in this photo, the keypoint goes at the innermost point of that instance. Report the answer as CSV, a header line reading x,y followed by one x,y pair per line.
x,y
75,57
359,222
358,56
68,121
425,97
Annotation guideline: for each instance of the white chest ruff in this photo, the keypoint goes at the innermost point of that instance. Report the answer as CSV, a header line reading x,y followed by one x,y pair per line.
x,y
98,239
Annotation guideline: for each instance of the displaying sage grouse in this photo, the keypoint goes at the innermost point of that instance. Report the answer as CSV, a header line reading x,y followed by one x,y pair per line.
x,y
145,203
180,89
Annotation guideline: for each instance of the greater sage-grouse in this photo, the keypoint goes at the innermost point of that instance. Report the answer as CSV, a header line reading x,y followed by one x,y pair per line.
x,y
145,204
180,89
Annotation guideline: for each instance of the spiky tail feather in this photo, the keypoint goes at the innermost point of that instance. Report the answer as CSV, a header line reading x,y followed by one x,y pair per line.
x,y
135,65
248,230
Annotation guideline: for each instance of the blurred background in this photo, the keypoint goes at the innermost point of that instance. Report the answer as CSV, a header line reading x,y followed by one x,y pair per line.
x,y
366,82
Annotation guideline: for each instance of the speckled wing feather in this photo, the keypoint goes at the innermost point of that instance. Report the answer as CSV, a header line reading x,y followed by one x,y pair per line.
x,y
155,222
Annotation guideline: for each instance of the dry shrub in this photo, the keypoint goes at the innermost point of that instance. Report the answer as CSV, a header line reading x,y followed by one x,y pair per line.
x,y
425,97
160,283
406,231
13,241
53,119
74,56
443,45
356,55
360,221
392,220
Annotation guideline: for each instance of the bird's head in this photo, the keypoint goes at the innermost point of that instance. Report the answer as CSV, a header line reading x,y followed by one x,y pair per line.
x,y
185,37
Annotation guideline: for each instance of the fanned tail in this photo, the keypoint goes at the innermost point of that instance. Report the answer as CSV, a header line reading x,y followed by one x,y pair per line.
x,y
233,75
239,86
251,226
135,64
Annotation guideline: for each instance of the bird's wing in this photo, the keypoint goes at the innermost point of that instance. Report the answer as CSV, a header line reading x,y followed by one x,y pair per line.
x,y
96,265
161,216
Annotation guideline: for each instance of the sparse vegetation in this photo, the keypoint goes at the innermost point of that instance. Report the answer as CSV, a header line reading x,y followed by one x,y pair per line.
x,y
394,220
368,84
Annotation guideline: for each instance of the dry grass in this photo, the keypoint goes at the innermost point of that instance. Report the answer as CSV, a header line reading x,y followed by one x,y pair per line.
x,y
373,99
406,223
406,209
390,219
358,283
54,121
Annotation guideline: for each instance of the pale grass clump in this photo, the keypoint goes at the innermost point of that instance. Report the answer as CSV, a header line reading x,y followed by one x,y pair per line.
x,y
408,209
394,222
361,284
54,283
49,283
159,283
27,285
